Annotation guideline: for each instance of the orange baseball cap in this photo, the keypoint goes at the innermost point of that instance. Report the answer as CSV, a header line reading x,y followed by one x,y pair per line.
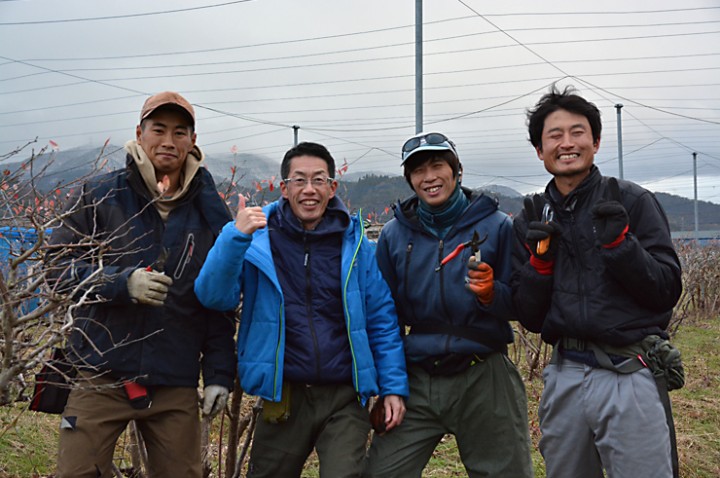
x,y
164,99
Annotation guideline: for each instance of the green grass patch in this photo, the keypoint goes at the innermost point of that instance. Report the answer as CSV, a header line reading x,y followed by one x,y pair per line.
x,y
28,441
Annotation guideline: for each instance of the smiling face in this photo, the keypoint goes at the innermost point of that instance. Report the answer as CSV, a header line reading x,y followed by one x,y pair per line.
x,y
167,138
433,181
308,202
568,149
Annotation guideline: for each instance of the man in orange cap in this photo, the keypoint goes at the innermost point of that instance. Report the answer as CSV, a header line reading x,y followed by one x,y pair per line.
x,y
141,344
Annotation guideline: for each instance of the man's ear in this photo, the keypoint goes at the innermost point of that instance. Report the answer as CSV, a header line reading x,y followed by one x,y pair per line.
x,y
284,189
138,133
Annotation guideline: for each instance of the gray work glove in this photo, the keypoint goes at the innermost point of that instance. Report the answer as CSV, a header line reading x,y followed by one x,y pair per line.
x,y
148,287
215,399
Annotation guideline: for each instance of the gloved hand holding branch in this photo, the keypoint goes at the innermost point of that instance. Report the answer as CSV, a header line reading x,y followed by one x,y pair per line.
x,y
214,400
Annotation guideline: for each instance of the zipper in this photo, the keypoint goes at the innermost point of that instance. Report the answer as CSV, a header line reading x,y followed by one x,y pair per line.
x,y
583,314
346,309
185,257
441,255
408,256
308,306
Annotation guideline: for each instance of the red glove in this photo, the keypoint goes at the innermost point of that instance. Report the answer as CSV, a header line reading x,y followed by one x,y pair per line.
x,y
481,281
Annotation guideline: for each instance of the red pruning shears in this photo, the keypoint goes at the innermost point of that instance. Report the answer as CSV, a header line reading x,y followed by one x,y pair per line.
x,y
473,243
159,264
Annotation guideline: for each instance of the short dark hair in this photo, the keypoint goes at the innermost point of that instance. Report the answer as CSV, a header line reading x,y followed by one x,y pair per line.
x,y
567,100
422,156
307,149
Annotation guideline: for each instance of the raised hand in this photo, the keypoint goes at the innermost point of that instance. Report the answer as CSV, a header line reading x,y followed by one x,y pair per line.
x,y
542,236
249,219
610,219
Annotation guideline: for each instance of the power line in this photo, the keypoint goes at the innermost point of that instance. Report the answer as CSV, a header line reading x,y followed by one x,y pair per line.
x,y
116,17
354,50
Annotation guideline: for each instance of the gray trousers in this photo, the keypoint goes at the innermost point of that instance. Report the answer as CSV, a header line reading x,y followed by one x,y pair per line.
x,y
594,419
328,418
485,407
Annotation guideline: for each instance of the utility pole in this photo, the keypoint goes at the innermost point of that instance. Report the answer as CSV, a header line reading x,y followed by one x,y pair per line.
x,y
619,106
418,67
697,229
295,134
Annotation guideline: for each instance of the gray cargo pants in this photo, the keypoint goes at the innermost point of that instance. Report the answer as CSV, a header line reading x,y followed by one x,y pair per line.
x,y
594,419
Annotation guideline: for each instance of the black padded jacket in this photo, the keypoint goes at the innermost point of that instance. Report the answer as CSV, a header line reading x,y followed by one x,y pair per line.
x,y
615,296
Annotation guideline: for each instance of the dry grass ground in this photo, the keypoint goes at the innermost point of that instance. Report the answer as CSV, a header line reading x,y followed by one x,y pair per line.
x,y
28,440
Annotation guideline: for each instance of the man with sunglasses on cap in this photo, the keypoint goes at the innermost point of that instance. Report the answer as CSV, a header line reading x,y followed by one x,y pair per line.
x,y
318,335
447,259
142,338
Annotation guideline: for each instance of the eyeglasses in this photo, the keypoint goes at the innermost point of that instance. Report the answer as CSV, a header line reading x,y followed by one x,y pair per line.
x,y
430,139
301,183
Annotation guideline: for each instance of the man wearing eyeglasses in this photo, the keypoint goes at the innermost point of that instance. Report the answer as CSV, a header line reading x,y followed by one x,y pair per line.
x,y
447,259
319,334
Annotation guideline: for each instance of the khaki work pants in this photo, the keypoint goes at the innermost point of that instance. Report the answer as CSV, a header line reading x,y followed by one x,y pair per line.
x,y
94,418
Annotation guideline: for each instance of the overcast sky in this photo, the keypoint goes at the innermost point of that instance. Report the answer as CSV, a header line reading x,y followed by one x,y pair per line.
x,y
77,73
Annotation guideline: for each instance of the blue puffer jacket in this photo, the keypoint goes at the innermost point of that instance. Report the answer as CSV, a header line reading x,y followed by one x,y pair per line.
x,y
408,256
307,263
242,264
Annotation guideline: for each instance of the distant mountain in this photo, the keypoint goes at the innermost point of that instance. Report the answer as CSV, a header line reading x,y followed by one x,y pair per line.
x,y
249,167
373,193
65,166
681,213
496,189
54,169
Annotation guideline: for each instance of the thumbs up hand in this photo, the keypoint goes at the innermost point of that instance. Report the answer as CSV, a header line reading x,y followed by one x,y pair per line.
x,y
249,219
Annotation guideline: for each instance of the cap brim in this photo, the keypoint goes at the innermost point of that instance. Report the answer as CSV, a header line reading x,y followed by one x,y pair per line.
x,y
173,107
426,147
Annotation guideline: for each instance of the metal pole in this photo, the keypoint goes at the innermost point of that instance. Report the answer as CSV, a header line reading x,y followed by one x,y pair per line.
x,y
418,67
295,134
619,136
697,229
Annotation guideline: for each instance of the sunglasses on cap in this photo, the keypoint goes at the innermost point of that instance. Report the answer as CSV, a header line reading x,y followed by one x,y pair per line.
x,y
439,140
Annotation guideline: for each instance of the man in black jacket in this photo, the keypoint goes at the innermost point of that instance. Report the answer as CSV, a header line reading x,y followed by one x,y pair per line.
x,y
596,274
131,248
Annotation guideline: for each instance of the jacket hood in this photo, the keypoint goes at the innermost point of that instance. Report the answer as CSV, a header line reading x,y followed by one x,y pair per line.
x,y
193,163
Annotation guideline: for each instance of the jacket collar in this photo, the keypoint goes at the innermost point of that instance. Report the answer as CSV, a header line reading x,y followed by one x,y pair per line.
x,y
480,207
